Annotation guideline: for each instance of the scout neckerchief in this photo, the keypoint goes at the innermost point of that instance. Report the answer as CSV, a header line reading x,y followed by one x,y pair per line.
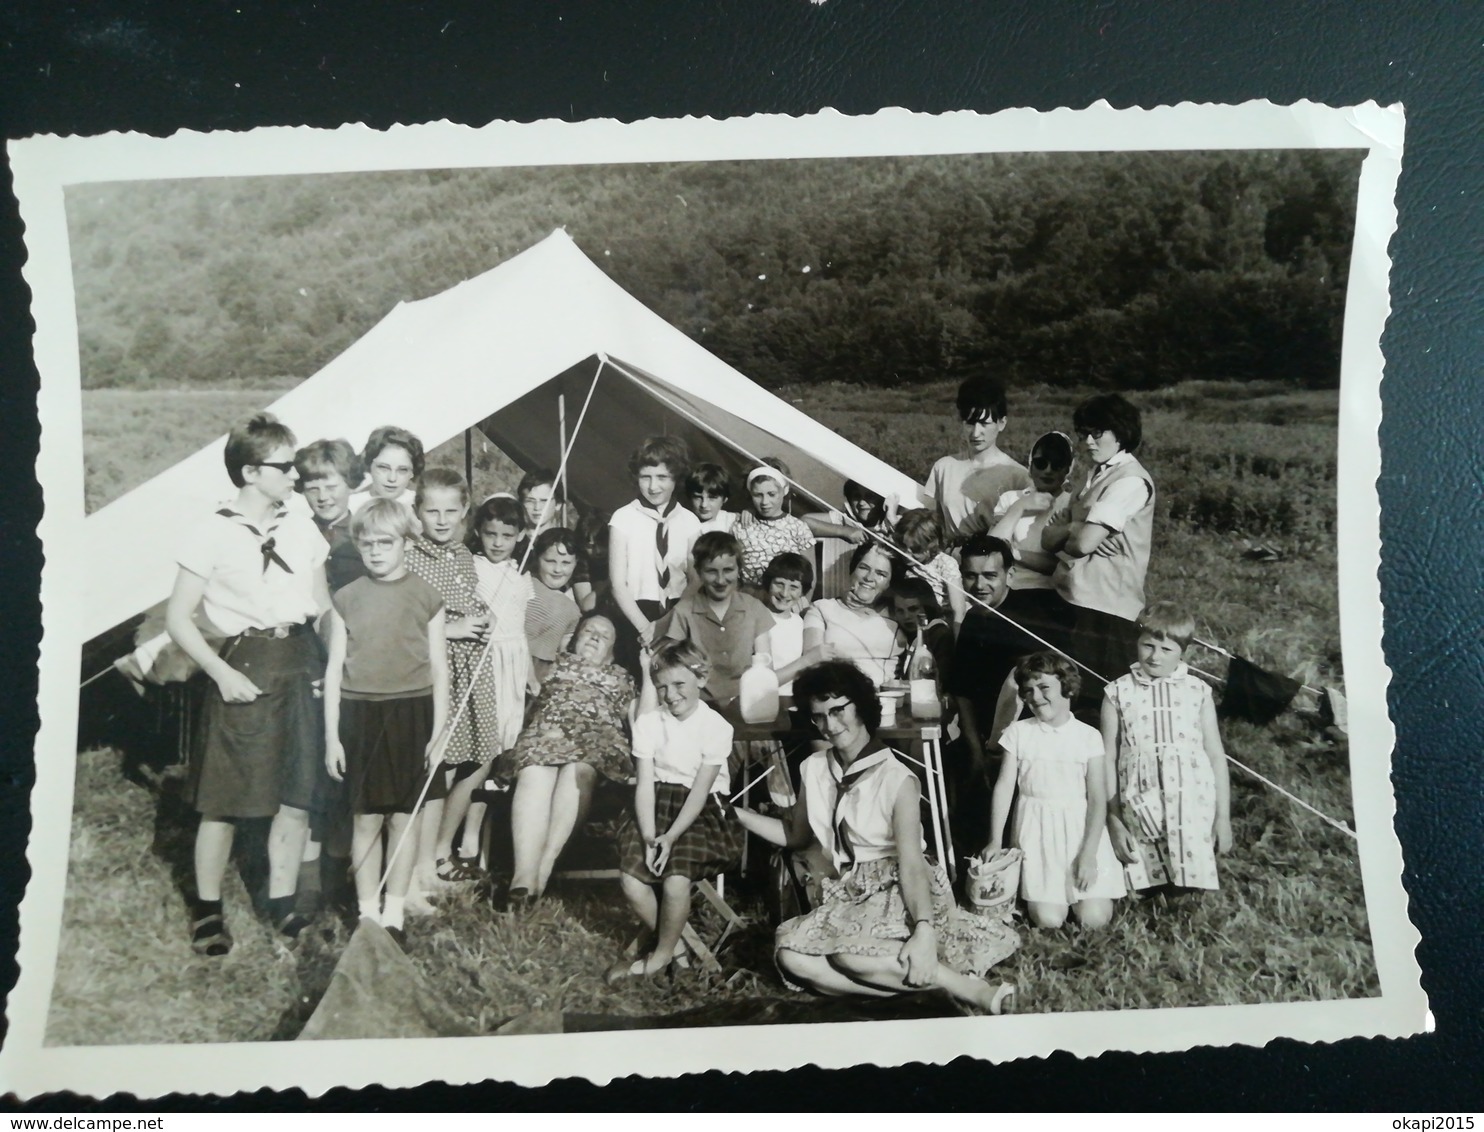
x,y
266,541
661,517
872,756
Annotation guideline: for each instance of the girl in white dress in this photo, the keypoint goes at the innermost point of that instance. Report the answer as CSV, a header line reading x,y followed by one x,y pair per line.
x,y
1061,817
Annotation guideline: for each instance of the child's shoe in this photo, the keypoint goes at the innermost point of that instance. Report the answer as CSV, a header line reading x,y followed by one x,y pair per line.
x,y
209,934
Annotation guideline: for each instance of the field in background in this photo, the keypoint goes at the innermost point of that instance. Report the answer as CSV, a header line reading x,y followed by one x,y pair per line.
x,y
1236,466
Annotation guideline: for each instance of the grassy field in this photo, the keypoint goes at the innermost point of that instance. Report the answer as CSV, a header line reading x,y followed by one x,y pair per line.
x,y
1237,466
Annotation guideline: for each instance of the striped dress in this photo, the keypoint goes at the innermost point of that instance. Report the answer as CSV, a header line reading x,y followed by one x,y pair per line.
x,y
1165,782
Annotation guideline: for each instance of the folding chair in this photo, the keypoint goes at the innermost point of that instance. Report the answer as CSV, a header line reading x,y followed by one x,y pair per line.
x,y
609,801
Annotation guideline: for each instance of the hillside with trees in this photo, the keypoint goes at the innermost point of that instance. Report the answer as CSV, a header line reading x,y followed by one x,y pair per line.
x,y
1124,270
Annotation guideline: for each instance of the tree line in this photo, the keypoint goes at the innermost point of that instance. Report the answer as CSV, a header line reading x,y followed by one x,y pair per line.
x,y
1116,270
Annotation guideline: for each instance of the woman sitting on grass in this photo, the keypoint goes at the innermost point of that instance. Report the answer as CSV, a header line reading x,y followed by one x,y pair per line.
x,y
576,733
887,923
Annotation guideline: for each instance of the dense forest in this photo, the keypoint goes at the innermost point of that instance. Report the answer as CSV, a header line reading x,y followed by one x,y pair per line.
x,y
1121,270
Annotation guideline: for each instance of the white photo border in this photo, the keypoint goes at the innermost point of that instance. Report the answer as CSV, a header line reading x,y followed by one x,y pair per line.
x,y
44,166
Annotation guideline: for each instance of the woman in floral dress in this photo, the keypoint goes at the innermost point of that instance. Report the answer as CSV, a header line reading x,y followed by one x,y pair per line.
x,y
576,733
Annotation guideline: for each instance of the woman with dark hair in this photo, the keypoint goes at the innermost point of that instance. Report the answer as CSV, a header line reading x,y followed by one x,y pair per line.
x,y
854,627
576,733
1102,537
887,922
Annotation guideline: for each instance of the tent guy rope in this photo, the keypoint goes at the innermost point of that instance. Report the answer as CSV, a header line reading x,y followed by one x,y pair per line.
x,y
452,724
892,546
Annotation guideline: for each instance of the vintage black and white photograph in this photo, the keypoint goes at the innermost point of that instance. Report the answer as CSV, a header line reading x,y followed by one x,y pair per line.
x,y
646,596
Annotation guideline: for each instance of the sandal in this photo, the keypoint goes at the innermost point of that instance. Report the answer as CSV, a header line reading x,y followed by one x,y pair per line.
x,y
210,937
293,925
622,969
457,870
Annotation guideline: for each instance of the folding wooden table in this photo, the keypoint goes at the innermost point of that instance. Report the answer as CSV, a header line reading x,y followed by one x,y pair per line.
x,y
922,737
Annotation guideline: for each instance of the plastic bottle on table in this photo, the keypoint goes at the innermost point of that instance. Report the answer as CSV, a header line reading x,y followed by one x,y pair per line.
x,y
757,694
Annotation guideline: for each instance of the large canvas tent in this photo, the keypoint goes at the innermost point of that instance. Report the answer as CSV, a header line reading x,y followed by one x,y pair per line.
x,y
505,352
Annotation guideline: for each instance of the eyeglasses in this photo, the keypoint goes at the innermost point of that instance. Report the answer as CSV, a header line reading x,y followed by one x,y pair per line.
x,y
284,466
376,543
1091,433
1046,463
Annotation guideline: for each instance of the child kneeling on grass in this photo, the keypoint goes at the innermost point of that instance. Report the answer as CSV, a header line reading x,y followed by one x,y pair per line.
x,y
386,703
1170,816
1061,816
681,830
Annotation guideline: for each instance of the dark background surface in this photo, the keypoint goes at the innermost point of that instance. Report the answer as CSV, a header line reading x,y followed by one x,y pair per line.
x,y
158,67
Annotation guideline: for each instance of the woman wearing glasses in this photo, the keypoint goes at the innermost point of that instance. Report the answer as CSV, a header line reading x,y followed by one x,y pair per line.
x,y
886,923
1102,537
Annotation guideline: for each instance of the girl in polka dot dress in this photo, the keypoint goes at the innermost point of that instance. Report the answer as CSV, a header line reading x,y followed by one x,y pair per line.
x,y
440,558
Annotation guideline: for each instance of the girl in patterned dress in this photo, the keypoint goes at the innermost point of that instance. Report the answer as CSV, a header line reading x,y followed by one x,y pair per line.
x,y
887,922
441,559
768,530
1170,815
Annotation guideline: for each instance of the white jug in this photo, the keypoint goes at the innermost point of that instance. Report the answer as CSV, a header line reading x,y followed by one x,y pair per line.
x,y
757,694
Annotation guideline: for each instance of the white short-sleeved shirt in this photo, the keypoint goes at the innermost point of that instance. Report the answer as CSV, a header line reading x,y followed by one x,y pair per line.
x,y
957,486
859,800
863,636
1123,499
679,748
784,644
723,521
1027,534
247,589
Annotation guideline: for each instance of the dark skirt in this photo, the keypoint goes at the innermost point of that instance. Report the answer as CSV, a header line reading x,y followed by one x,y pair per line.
x,y
1046,614
1106,644
251,759
386,754
711,845
626,647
